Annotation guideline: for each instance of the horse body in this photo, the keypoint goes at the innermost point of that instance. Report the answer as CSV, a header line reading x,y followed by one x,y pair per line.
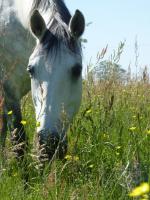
x,y
54,65
15,49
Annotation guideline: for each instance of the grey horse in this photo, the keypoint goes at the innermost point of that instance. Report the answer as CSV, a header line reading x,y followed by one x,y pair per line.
x,y
49,61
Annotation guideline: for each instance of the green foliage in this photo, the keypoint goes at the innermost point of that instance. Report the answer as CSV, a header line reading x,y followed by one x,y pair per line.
x,y
109,145
108,151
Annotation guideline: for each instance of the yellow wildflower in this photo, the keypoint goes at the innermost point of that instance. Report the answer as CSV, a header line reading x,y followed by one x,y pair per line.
x,y
10,112
133,128
140,190
38,124
134,116
91,166
23,122
105,136
73,158
118,147
88,111
148,132
15,174
68,157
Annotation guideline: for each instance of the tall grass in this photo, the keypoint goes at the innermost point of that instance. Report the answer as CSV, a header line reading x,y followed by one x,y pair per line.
x,y
109,147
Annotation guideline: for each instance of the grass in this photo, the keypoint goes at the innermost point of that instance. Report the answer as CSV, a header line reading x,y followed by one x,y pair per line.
x,y
109,148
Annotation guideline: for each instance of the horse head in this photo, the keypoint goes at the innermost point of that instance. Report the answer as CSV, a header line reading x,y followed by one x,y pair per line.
x,y
55,68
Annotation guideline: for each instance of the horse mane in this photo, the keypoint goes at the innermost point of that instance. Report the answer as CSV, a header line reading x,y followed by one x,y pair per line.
x,y
58,30
57,7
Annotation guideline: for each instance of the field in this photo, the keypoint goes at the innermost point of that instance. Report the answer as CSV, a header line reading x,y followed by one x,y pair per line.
x,y
109,148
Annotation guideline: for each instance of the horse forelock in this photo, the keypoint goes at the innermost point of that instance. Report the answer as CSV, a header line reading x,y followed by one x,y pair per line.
x,y
57,7
58,25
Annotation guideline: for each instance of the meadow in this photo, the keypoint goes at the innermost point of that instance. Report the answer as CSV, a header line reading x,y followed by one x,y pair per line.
x,y
108,147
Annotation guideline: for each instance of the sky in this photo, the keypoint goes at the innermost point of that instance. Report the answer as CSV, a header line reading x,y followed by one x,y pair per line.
x,y
114,21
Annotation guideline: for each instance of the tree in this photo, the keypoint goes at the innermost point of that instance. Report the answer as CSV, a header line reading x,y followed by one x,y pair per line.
x,y
107,70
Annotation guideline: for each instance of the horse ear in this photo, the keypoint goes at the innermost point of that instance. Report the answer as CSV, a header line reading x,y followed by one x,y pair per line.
x,y
37,24
77,24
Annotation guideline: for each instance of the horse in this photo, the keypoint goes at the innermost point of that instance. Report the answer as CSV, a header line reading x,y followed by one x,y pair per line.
x,y
40,49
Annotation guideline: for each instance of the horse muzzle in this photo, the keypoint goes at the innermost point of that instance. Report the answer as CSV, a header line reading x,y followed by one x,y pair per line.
x,y
54,144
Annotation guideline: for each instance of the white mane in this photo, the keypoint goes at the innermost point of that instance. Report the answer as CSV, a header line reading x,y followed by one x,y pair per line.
x,y
23,8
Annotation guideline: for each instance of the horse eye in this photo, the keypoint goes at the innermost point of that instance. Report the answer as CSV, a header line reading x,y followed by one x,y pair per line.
x,y
76,71
30,69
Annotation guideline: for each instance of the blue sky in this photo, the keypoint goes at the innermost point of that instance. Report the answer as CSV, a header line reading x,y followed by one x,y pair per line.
x,y
115,21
